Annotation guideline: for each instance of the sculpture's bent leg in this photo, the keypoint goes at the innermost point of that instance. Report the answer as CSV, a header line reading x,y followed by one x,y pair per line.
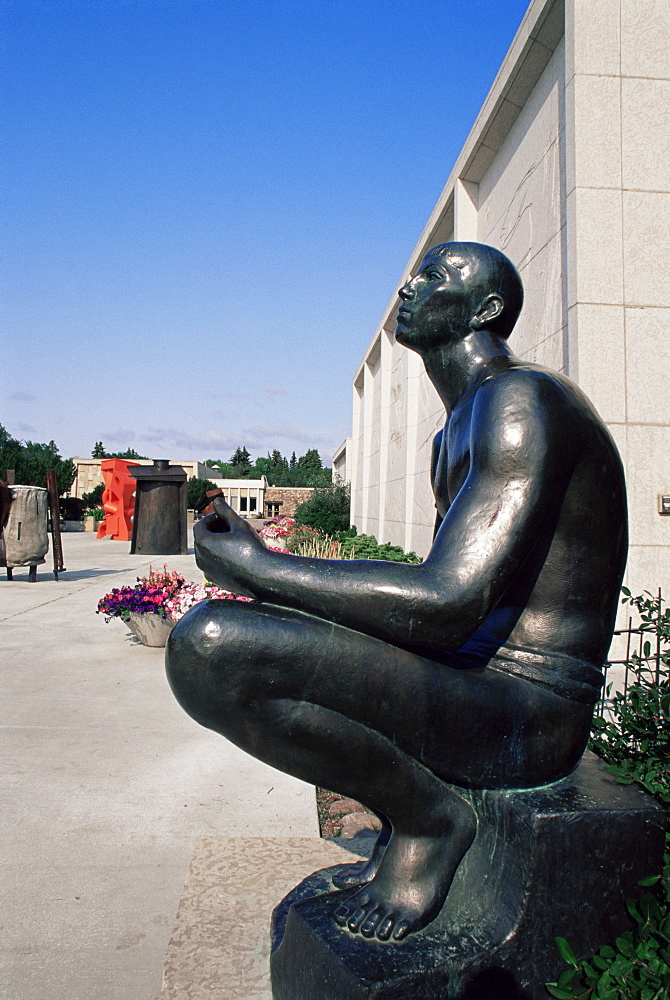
x,y
348,712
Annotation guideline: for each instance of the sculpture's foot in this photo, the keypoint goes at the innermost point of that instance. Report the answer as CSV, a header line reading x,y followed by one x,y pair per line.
x,y
353,876
413,878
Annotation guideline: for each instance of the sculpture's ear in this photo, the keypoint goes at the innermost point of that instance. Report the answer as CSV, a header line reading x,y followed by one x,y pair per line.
x,y
489,309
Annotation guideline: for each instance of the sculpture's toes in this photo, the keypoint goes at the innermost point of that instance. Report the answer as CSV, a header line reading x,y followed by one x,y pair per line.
x,y
372,921
358,917
344,911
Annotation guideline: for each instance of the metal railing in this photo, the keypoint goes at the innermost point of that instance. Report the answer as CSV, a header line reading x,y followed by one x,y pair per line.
x,y
644,649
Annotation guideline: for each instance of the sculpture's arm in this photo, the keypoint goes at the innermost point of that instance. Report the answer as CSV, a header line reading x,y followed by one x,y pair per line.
x,y
508,501
434,462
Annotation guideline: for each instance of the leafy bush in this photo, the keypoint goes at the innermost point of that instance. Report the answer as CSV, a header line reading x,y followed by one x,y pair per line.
x,y
367,547
306,541
633,738
327,509
196,492
93,499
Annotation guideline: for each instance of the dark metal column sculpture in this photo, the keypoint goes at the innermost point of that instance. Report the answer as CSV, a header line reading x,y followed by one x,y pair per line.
x,y
159,518
436,694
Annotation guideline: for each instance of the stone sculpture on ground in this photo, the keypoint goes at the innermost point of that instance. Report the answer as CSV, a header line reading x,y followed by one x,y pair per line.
x,y
418,689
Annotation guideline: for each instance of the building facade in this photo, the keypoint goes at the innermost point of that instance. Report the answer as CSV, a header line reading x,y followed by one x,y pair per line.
x,y
89,475
567,171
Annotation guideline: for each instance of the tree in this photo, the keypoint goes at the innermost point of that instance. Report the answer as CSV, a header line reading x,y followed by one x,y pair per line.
x,y
99,451
30,461
93,499
196,492
240,460
10,452
328,509
311,460
129,454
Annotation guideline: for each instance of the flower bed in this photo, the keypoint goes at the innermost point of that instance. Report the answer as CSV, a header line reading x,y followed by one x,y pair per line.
x,y
164,594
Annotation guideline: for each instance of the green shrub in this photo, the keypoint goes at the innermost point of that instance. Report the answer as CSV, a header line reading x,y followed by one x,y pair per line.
x,y
328,509
633,739
196,492
367,547
93,499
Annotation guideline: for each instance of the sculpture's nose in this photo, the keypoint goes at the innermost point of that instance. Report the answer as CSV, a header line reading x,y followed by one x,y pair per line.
x,y
406,292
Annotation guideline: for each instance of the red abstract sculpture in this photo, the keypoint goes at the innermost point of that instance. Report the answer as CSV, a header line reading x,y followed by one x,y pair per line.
x,y
118,499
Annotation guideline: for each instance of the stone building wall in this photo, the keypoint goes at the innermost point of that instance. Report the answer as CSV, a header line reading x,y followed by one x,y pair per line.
x,y
288,498
567,170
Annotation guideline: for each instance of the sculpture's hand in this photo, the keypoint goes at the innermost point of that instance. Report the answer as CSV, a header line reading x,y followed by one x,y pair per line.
x,y
227,549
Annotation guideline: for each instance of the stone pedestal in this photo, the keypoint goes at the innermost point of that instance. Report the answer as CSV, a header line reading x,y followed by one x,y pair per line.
x,y
558,860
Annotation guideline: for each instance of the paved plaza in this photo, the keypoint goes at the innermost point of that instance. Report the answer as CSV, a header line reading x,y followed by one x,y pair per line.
x,y
107,787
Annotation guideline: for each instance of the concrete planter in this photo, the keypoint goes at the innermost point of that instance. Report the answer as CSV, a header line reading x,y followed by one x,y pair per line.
x,y
150,629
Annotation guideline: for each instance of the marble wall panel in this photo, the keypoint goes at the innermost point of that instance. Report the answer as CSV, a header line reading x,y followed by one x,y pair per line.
x,y
595,274
648,365
648,569
646,247
648,474
646,133
594,27
595,106
521,212
645,38
519,195
601,361
542,315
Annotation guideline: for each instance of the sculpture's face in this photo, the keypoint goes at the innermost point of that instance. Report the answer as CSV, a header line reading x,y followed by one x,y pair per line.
x,y
435,303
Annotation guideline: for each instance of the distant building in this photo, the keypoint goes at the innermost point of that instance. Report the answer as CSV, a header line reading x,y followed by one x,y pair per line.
x,y
567,171
89,475
284,500
245,496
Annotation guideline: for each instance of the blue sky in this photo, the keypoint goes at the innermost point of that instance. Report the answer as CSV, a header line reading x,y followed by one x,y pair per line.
x,y
207,204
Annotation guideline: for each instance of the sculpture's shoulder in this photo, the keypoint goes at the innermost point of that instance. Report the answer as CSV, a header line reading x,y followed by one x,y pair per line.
x,y
544,395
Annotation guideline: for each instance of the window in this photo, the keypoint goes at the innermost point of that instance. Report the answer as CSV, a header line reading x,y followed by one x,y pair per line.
x,y
273,508
243,505
252,503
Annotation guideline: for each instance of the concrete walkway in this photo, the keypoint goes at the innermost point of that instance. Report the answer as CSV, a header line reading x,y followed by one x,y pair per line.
x,y
106,786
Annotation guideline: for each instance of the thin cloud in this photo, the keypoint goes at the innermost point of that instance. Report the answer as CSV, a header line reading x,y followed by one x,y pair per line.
x,y
273,390
22,397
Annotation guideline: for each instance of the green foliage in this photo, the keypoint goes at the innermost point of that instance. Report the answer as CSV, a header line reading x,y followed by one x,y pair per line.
x,y
129,453
308,470
367,547
633,738
93,499
30,461
196,492
327,509
100,452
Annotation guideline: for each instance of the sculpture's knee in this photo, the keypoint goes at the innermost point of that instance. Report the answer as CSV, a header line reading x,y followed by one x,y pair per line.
x,y
206,664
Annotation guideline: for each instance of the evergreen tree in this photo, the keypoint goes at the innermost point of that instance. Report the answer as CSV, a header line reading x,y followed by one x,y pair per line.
x,y
240,460
129,454
98,450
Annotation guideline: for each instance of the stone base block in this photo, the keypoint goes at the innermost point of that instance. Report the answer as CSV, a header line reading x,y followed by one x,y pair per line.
x,y
558,860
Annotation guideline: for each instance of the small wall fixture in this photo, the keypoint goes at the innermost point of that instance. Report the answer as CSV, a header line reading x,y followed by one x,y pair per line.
x,y
663,503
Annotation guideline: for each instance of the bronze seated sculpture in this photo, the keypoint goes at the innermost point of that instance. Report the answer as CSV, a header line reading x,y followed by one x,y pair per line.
x,y
398,684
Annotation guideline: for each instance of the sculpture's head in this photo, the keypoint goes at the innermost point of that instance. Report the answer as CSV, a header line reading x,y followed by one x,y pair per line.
x,y
459,287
